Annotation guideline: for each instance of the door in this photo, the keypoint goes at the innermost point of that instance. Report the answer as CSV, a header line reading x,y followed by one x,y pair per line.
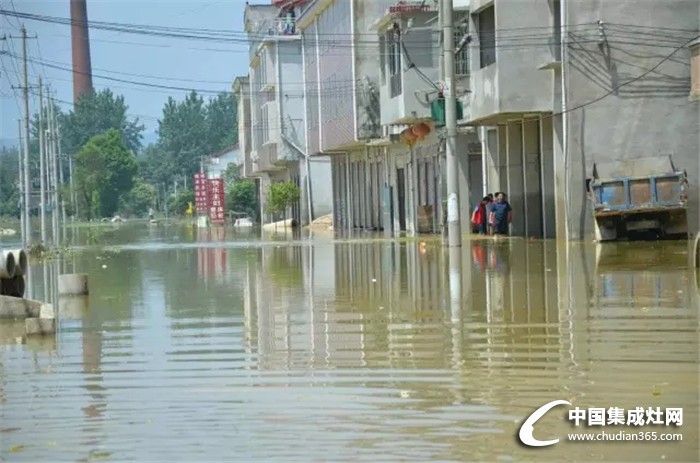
x,y
401,192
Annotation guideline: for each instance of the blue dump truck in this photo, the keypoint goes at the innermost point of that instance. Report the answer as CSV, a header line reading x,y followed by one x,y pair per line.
x,y
643,197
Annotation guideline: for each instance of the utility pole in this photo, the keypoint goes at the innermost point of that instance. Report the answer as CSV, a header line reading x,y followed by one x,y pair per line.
x,y
61,180
21,187
54,173
42,164
27,183
453,216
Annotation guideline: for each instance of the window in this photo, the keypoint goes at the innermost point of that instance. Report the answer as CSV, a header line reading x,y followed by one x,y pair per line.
x,y
461,29
487,36
394,57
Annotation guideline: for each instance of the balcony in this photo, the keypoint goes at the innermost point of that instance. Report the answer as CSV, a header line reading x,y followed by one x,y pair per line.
x,y
275,29
267,158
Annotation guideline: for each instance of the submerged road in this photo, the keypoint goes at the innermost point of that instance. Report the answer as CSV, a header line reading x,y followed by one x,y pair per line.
x,y
220,346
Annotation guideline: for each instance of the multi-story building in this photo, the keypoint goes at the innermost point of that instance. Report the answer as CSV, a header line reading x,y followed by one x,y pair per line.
x,y
559,86
278,151
361,94
342,105
412,114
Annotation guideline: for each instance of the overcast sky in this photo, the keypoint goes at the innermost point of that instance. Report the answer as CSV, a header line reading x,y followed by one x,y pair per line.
x,y
112,52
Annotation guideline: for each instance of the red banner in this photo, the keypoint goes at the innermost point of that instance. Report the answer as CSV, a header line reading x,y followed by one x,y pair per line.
x,y
217,200
201,197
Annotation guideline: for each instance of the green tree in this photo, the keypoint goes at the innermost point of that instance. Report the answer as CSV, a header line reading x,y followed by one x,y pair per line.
x,y
189,130
231,175
178,203
139,199
281,196
221,113
9,183
105,171
95,114
243,197
183,134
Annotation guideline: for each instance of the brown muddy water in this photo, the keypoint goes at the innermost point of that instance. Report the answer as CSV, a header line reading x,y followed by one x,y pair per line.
x,y
222,346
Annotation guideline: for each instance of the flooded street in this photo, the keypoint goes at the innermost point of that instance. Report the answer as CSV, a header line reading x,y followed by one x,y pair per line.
x,y
217,346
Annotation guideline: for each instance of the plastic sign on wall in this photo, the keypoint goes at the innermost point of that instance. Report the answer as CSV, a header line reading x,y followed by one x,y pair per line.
x,y
201,197
216,200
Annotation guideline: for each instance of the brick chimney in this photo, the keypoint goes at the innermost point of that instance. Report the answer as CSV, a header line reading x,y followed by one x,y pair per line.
x,y
80,38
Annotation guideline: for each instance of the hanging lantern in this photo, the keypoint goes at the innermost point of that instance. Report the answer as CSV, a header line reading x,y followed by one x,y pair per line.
x,y
421,130
408,136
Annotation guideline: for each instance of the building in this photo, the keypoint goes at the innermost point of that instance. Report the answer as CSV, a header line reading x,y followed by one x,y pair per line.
x,y
276,118
217,163
412,114
594,83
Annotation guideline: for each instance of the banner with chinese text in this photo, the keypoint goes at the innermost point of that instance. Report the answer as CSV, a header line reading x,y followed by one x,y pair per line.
x,y
216,200
201,197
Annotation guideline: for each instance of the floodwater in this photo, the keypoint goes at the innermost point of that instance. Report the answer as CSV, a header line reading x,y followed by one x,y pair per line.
x,y
222,346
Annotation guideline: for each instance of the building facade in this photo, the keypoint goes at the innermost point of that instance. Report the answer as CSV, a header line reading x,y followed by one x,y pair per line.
x,y
596,82
276,120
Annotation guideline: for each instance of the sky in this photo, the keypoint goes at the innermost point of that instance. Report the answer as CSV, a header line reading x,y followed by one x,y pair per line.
x,y
173,62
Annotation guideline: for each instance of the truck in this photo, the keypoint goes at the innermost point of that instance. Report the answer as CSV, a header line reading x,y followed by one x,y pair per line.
x,y
642,197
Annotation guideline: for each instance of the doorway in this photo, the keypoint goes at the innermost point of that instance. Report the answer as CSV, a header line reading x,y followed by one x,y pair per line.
x,y
401,193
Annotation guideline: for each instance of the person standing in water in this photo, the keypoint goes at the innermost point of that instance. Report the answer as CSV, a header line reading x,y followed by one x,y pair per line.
x,y
480,215
500,215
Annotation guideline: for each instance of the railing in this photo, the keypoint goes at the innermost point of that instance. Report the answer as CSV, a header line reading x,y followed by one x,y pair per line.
x,y
279,27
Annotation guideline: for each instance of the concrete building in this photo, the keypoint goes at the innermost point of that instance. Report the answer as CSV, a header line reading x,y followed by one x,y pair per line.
x,y
596,81
217,163
277,105
410,93
359,98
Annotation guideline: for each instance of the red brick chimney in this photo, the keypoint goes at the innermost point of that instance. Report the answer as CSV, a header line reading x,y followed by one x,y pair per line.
x,y
80,37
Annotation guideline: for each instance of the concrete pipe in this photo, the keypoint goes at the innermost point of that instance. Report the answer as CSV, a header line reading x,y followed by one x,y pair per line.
x,y
20,261
13,287
73,284
8,266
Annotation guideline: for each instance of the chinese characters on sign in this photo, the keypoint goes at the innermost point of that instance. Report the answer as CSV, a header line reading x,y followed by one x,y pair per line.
x,y
217,200
209,197
200,192
639,416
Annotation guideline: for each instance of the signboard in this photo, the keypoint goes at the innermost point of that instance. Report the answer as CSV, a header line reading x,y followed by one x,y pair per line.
x,y
217,200
201,198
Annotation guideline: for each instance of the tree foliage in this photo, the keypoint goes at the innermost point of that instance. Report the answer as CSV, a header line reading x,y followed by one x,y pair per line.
x,y
190,129
178,203
139,199
243,197
105,170
95,114
281,196
9,183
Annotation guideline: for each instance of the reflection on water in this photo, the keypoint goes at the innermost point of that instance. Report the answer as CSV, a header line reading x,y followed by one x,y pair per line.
x,y
346,351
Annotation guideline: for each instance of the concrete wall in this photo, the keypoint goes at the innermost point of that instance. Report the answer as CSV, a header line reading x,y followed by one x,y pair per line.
x,y
321,185
311,73
652,116
513,83
418,51
291,98
336,75
367,66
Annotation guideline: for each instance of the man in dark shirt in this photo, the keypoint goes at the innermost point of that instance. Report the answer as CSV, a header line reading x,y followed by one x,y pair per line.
x,y
500,214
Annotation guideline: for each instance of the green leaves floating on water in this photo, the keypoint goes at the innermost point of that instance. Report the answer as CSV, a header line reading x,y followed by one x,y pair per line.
x,y
96,455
